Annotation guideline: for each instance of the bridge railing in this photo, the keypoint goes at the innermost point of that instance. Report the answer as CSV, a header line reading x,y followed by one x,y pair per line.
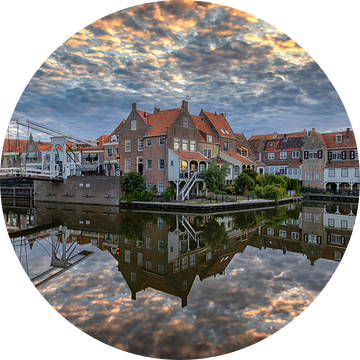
x,y
9,172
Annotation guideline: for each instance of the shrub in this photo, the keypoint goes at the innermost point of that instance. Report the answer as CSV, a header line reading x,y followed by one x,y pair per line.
x,y
168,193
132,181
144,195
242,182
230,189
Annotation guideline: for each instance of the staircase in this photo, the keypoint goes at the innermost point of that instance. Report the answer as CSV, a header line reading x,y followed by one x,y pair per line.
x,y
187,187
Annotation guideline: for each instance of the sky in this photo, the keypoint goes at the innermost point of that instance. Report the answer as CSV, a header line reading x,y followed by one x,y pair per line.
x,y
158,54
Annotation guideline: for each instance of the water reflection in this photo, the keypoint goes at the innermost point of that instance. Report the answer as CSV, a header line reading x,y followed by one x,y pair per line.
x,y
191,285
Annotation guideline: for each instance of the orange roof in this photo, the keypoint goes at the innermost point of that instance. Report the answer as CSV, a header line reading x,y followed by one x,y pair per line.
x,y
259,163
242,142
115,131
240,158
161,121
294,134
257,137
203,129
14,145
220,124
330,140
144,115
190,155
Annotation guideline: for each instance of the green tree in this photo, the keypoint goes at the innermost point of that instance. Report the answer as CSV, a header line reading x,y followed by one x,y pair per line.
x,y
214,176
132,181
244,182
252,173
215,235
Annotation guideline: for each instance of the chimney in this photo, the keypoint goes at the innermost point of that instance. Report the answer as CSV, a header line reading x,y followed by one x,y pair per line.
x,y
348,134
133,106
156,110
184,106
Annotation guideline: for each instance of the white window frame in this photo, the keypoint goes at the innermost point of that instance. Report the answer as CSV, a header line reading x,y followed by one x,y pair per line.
x,y
338,138
185,122
295,235
140,144
270,231
331,172
192,145
344,172
226,146
184,262
208,138
283,154
344,224
161,164
127,257
148,265
140,259
148,164
308,176
161,269
271,156
148,142
176,142
160,185
127,145
133,124
307,217
282,233
161,246
331,223
185,144
148,244
127,165
317,176
295,154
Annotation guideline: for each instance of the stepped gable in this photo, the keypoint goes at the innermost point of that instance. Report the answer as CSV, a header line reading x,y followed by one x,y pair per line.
x,y
203,129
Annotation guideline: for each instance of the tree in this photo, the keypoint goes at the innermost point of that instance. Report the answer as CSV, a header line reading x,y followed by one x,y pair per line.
x,y
242,182
214,176
132,181
252,173
215,235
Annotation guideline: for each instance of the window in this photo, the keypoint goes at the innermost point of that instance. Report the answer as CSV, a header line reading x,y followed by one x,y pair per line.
x,y
226,146
295,235
184,285
344,224
289,171
161,269
283,155
208,256
295,171
148,142
161,141
357,172
133,277
208,138
127,165
192,145
331,222
337,255
317,218
161,164
140,259
308,176
339,138
148,244
185,122
184,263
133,124
127,256
148,164
209,153
161,246
236,170
317,176
176,266
271,156
127,145
313,154
139,243
205,152
109,152
149,185
172,163
148,265
307,217
344,172
331,172
296,154
160,223
192,260
282,233
161,187
140,145
185,143
127,241
176,144
270,231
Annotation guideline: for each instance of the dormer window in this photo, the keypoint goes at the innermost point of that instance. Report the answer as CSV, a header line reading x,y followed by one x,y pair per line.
x,y
339,138
222,131
208,138
227,133
74,146
185,122
271,145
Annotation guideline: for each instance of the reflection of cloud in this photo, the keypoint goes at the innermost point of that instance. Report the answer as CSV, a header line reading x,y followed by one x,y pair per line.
x,y
260,294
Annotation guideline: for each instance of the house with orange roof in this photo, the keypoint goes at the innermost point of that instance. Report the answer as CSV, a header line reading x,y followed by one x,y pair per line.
x,y
111,152
162,146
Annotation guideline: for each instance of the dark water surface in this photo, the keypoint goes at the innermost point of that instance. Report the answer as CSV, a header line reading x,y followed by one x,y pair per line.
x,y
179,285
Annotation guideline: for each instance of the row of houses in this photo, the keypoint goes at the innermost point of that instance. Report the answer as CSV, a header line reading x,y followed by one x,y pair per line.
x,y
174,147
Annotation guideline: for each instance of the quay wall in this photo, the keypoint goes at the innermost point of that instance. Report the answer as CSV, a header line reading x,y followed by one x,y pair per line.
x,y
95,190
332,198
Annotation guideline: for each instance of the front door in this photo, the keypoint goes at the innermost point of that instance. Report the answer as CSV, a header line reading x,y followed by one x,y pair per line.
x,y
140,166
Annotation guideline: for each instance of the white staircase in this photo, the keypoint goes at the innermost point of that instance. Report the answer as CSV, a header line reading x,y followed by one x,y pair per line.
x,y
187,187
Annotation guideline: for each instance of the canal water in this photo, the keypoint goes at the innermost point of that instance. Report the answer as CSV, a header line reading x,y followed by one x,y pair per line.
x,y
179,285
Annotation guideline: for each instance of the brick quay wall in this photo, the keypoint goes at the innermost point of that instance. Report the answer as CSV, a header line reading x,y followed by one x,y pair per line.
x,y
96,190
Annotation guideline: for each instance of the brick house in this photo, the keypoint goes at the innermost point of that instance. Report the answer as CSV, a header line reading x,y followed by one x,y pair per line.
x,y
341,171
162,147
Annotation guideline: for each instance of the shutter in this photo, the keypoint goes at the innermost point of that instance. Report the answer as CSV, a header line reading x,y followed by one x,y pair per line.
x,y
306,154
320,154
343,155
329,238
343,240
329,155
318,239
305,237
352,154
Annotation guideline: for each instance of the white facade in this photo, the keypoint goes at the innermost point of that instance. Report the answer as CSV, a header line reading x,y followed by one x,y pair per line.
x,y
341,175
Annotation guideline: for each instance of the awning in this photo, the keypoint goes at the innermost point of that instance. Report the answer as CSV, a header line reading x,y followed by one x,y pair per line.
x,y
89,167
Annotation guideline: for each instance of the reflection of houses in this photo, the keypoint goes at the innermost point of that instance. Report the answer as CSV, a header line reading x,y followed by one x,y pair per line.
x,y
311,234
111,152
